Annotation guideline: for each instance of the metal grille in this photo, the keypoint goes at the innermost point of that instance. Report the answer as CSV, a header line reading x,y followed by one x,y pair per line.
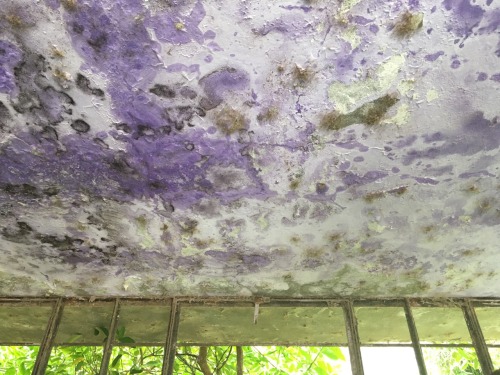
x,y
175,308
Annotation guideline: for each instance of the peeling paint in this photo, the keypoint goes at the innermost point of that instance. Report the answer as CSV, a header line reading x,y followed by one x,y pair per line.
x,y
154,148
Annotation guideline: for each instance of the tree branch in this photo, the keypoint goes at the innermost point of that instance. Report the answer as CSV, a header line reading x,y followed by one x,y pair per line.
x,y
239,360
202,361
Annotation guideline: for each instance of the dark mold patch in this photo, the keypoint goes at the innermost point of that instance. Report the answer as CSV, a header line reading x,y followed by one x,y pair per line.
x,y
4,116
19,234
80,126
229,121
408,24
189,227
163,91
26,190
188,93
369,114
181,116
83,83
321,188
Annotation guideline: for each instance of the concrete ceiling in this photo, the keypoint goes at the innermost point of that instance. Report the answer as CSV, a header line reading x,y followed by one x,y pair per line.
x,y
232,147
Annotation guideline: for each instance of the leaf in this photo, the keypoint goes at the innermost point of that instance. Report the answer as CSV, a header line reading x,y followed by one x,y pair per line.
x,y
10,371
136,371
96,331
116,360
79,366
104,330
120,332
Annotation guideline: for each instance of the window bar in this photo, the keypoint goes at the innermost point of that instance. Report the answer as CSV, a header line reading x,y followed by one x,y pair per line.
x,y
42,359
414,338
477,337
171,341
353,338
108,347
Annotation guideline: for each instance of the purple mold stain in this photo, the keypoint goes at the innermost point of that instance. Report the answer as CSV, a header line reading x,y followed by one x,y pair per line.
x,y
492,22
495,77
434,137
209,34
395,170
434,56
455,64
467,15
413,4
175,68
176,28
475,174
305,9
343,166
479,135
351,145
482,76
360,20
426,180
405,142
353,179
10,56
358,159
220,81
374,29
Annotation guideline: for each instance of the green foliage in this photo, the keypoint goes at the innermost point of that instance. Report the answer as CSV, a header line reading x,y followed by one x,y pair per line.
x,y
213,360
453,361
17,360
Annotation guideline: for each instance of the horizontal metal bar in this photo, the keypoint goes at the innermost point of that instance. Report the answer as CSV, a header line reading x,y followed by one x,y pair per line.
x,y
382,302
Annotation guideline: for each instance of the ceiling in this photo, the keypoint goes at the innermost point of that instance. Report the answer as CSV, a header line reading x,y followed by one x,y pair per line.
x,y
277,148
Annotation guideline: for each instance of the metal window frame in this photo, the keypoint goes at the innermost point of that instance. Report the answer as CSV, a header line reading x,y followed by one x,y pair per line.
x,y
353,341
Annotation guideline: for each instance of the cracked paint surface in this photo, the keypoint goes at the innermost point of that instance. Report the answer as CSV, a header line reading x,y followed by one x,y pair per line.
x,y
286,148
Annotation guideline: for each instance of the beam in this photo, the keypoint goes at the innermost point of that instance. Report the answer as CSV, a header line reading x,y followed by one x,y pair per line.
x,y
42,359
169,351
477,337
414,338
351,325
108,346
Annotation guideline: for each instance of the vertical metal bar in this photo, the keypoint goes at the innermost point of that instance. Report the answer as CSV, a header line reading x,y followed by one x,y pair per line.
x,y
171,341
477,337
351,325
414,338
42,359
108,346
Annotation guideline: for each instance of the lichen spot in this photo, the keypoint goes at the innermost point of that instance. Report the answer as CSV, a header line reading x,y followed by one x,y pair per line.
x,y
376,110
268,115
230,121
408,24
330,121
302,76
69,5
